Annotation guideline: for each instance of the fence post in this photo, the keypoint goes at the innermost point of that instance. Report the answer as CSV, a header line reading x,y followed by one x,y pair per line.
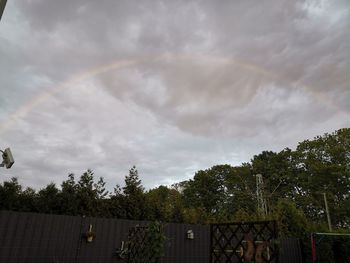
x,y
313,248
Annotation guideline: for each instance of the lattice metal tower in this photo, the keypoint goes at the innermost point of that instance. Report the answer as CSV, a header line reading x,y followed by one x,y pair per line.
x,y
2,7
262,207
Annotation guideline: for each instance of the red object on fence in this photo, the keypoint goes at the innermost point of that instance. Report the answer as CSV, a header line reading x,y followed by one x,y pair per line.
x,y
313,248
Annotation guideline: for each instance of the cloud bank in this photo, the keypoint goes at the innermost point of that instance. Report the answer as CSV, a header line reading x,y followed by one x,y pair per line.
x,y
170,86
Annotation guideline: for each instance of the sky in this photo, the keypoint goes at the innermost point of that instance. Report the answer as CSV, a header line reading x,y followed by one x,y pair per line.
x,y
169,86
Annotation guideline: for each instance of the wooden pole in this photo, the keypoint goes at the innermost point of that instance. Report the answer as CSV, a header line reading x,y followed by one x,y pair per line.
x,y
327,212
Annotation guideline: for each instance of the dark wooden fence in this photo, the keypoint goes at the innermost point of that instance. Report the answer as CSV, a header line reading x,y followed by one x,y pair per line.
x,y
290,251
31,237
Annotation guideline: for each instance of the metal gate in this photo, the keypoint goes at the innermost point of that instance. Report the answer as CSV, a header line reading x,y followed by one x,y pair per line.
x,y
246,242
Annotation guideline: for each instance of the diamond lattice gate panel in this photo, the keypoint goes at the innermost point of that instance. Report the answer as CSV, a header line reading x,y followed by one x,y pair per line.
x,y
246,242
145,243
136,243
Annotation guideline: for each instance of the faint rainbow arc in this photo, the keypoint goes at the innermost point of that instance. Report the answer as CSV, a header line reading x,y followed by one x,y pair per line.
x,y
119,64
23,110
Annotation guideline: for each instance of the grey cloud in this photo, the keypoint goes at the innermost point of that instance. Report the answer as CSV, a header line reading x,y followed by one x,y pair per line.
x,y
211,82
209,98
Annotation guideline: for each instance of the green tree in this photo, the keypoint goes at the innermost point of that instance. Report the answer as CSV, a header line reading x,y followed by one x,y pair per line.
x,y
116,203
292,221
164,204
69,196
241,194
101,195
10,192
207,190
279,175
324,167
87,195
28,200
220,192
156,201
49,200
134,198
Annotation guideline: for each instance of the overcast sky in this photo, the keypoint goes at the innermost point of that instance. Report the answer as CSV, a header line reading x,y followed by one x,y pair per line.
x,y
169,86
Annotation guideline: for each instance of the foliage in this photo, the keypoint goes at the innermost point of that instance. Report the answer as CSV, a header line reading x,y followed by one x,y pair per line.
x,y
133,201
49,200
69,205
152,250
10,192
164,204
291,221
294,183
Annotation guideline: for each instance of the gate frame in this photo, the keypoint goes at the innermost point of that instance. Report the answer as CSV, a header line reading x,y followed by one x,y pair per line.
x,y
251,224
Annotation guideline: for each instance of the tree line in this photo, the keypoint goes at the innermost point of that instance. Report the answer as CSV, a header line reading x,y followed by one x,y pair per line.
x,y
294,183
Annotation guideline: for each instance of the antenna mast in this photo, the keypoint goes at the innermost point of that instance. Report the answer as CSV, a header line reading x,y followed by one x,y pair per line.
x,y
262,207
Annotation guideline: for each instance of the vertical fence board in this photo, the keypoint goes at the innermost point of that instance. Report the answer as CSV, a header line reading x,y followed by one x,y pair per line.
x,y
290,251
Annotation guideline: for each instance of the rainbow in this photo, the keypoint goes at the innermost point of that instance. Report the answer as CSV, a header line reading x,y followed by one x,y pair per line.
x,y
121,64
